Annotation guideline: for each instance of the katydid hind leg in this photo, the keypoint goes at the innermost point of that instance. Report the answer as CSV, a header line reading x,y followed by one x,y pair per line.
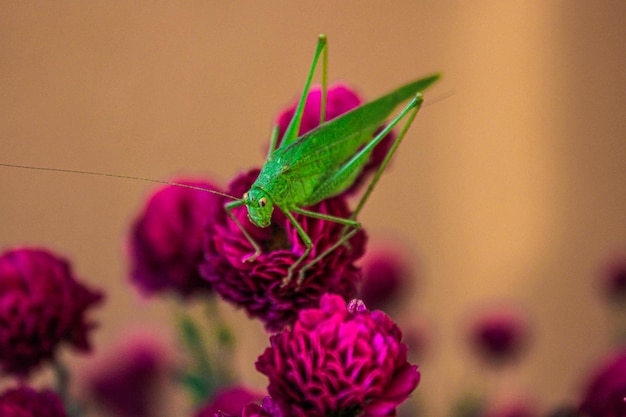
x,y
343,240
356,226
410,111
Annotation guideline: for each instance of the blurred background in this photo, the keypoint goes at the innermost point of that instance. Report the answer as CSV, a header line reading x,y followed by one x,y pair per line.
x,y
510,191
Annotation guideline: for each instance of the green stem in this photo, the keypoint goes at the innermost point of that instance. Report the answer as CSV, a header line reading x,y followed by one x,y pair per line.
x,y
62,376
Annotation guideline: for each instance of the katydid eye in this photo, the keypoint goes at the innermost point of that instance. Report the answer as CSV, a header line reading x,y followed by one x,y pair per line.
x,y
245,196
262,201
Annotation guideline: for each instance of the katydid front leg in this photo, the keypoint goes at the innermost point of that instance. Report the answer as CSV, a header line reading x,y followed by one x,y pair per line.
x,y
229,210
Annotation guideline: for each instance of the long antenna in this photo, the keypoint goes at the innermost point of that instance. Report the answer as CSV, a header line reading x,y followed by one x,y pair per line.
x,y
125,177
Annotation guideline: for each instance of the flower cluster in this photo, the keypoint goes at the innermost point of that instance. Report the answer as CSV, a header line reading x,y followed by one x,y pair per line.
x,y
41,306
329,359
339,360
26,402
257,286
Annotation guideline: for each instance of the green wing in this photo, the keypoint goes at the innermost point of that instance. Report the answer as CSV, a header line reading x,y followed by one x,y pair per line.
x,y
324,148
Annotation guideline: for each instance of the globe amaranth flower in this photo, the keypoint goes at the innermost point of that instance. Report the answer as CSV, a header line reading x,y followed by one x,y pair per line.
x,y
129,380
166,240
26,402
41,306
231,401
267,409
339,99
605,390
257,285
385,277
499,336
339,361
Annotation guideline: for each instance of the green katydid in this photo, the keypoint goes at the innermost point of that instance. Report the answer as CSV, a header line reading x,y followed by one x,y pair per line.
x,y
317,165
324,162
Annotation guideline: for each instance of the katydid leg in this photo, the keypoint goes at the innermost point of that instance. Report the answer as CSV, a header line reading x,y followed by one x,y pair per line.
x,y
291,133
411,109
309,244
229,210
273,142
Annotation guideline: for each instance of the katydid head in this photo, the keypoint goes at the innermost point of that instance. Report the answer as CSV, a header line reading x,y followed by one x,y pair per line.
x,y
260,207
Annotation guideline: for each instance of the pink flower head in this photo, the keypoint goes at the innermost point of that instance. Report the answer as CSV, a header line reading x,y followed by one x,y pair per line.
x,y
267,409
129,379
26,402
499,336
257,285
339,361
41,306
614,279
230,401
606,389
385,277
166,239
340,99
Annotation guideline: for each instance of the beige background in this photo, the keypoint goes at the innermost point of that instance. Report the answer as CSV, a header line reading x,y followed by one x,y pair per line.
x,y
511,189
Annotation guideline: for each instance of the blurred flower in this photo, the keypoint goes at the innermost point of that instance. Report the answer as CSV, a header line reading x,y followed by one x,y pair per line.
x,y
166,239
385,277
257,285
267,409
339,361
129,379
340,99
614,280
499,336
230,401
605,390
26,402
41,306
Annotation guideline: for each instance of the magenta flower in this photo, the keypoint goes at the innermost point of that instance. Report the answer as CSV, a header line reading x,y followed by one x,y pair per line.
x,y
231,401
499,336
41,306
267,409
605,390
130,379
385,277
166,240
614,280
256,286
339,361
26,402
340,99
